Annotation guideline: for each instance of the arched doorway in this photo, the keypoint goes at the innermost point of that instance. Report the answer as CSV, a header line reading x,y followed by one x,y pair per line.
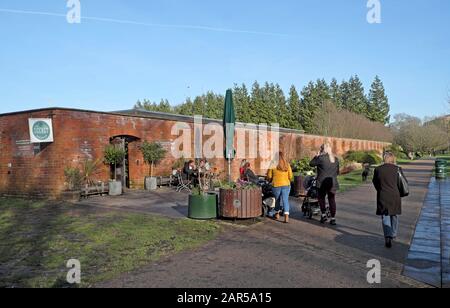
x,y
123,170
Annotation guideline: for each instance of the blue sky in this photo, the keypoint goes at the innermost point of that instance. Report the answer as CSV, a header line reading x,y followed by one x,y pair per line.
x,y
104,65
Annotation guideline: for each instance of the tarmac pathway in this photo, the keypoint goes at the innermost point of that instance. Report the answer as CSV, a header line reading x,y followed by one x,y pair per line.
x,y
303,253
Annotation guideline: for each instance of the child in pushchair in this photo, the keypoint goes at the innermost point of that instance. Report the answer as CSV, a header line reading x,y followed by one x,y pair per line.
x,y
311,205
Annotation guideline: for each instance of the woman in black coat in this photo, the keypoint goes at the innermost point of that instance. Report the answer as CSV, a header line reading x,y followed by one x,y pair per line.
x,y
389,201
327,172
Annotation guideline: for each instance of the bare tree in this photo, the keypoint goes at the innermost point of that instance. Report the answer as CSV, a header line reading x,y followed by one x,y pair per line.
x,y
345,124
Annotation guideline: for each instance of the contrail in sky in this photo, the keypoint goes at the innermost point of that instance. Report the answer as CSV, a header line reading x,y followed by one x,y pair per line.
x,y
137,23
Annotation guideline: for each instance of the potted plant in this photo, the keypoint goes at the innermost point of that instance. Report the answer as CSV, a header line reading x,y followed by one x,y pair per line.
x,y
114,156
301,169
73,180
153,154
202,204
240,201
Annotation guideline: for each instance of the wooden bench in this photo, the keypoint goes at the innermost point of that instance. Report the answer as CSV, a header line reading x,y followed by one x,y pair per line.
x,y
166,181
100,189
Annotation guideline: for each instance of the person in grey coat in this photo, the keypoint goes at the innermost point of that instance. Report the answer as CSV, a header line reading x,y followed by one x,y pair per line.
x,y
389,201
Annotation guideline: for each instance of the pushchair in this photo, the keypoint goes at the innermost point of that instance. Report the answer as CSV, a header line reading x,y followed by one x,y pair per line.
x,y
311,205
269,202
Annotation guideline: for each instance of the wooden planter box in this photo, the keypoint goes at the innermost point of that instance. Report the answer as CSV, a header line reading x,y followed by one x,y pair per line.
x,y
240,203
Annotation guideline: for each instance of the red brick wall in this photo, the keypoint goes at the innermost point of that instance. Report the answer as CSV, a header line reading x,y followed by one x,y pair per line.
x,y
79,135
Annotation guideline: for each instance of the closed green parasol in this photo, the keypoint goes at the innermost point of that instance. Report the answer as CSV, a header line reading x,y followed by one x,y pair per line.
x,y
229,125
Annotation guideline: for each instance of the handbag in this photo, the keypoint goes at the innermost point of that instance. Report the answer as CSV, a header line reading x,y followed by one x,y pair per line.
x,y
403,185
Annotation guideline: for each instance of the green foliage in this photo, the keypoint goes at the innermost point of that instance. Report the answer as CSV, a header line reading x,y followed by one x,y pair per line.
x,y
73,178
315,96
397,150
90,169
362,157
114,155
378,103
302,166
267,104
354,98
153,154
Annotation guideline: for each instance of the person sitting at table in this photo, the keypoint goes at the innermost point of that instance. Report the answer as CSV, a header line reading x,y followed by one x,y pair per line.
x,y
204,166
190,171
249,175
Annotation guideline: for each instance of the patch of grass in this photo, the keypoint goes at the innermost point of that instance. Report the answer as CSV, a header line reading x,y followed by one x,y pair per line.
x,y
37,239
351,180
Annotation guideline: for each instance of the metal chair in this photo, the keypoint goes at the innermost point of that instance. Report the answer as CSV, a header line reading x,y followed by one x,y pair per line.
x,y
183,184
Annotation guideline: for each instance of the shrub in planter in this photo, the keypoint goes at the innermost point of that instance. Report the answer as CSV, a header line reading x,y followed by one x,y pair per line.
x,y
114,156
302,166
73,178
153,154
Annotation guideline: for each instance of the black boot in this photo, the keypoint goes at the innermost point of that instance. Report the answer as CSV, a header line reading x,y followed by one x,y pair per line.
x,y
333,222
324,219
388,242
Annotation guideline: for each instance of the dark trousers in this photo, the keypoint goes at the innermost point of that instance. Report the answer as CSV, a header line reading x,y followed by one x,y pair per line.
x,y
331,201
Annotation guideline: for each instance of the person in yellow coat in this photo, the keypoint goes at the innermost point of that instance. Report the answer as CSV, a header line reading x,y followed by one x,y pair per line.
x,y
281,177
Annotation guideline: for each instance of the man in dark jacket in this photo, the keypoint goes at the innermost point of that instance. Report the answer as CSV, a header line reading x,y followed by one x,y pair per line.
x,y
389,201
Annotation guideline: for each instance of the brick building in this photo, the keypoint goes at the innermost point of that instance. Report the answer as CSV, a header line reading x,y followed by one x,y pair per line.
x,y
37,169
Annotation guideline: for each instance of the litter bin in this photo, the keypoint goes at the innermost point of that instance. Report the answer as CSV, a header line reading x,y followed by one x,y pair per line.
x,y
441,169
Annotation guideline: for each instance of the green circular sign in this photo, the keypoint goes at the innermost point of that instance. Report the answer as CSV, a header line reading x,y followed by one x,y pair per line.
x,y
41,130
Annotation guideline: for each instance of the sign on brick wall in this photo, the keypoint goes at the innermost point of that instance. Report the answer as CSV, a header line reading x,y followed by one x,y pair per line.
x,y
41,130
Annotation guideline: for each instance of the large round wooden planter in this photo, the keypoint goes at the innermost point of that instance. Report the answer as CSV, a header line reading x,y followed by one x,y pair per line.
x,y
240,203
203,206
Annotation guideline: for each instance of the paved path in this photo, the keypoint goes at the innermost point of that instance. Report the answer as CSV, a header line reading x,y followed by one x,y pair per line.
x,y
429,256
163,202
301,254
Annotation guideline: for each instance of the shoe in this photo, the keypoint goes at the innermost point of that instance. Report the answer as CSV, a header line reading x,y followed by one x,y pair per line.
x,y
286,219
333,222
388,242
324,219
277,216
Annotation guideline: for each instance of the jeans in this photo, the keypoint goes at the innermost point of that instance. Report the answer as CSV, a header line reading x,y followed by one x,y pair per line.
x,y
282,194
390,226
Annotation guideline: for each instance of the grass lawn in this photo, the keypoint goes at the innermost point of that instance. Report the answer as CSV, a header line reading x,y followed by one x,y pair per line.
x,y
351,180
38,238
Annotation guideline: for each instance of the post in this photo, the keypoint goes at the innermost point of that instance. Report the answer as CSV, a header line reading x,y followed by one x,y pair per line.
x,y
229,168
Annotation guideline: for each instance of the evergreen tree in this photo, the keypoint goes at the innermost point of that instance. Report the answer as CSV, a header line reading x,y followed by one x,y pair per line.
x,y
314,98
214,105
294,109
378,103
187,108
242,103
281,108
357,101
336,94
256,104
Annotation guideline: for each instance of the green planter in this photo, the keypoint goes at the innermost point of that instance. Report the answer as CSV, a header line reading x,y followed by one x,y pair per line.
x,y
203,206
